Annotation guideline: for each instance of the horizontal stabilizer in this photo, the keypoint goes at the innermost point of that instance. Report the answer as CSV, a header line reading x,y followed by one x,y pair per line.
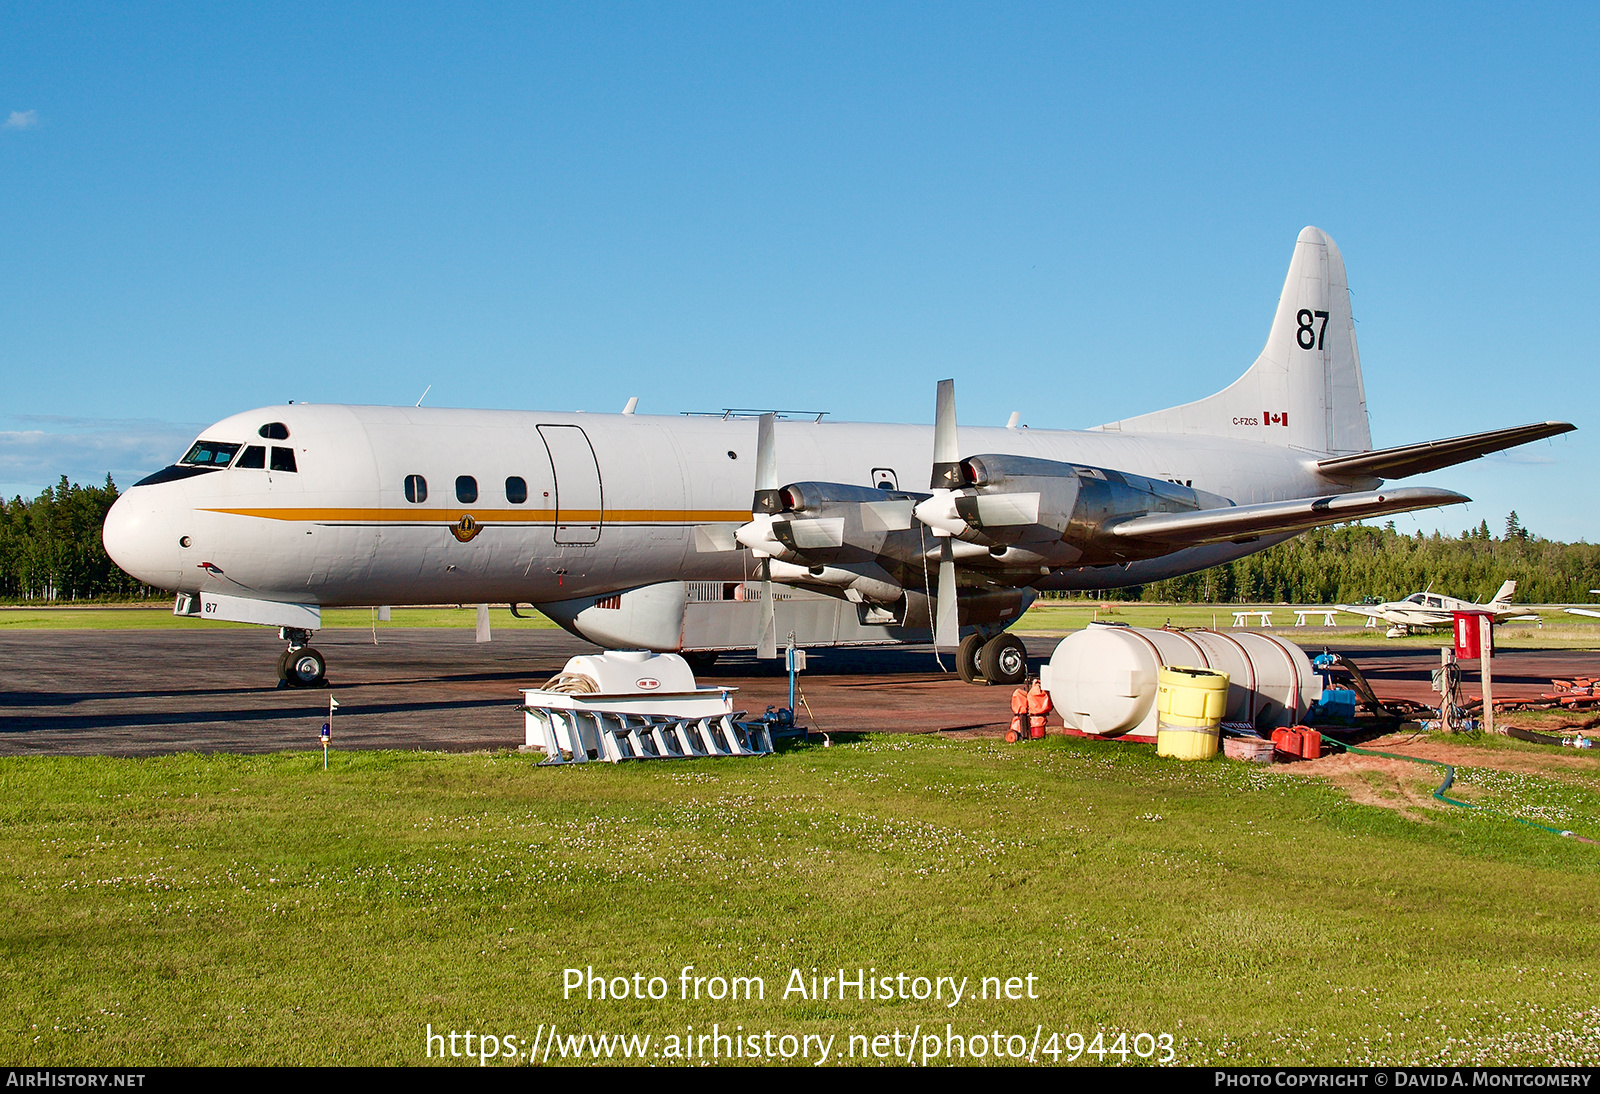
x,y
1414,459
1241,522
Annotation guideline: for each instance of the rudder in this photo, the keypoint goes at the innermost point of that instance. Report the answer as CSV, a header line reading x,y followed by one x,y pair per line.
x,y
1305,390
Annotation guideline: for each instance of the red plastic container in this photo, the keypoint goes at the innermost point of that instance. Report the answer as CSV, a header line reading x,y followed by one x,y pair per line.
x,y
1286,743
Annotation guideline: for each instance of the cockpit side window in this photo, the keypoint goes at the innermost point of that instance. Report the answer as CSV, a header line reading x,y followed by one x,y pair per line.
x,y
210,454
282,459
254,456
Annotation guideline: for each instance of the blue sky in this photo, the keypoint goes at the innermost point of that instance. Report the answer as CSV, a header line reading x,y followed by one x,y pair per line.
x,y
1081,213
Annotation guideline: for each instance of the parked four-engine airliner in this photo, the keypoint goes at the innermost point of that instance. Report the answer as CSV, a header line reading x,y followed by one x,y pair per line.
x,y
603,521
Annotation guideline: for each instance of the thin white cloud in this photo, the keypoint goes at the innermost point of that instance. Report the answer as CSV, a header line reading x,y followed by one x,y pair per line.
x,y
30,460
22,119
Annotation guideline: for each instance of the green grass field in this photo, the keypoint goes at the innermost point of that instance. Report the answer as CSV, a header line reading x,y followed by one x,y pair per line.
x,y
226,909
1557,631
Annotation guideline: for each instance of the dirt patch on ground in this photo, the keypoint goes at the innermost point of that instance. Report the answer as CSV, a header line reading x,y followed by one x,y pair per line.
x,y
1408,787
1535,759
1372,780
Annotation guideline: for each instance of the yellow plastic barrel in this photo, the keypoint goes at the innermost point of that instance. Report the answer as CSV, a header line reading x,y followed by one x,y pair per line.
x,y
1189,707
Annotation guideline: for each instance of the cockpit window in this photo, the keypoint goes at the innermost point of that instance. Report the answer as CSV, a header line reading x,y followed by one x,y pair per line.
x,y
210,454
275,431
282,459
254,456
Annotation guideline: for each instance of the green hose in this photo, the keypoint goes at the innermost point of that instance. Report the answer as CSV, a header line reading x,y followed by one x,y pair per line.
x,y
1449,779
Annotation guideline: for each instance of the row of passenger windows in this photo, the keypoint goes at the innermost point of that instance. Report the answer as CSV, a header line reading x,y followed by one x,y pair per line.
x,y
218,454
466,489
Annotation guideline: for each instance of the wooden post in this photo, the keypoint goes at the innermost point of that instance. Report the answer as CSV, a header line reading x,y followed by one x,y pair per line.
x,y
1486,656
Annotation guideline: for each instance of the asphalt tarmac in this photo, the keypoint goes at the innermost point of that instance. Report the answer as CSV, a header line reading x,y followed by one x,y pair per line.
x,y
155,692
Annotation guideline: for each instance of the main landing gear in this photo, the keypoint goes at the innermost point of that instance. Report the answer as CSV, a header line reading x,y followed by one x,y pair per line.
x,y
300,666
1001,659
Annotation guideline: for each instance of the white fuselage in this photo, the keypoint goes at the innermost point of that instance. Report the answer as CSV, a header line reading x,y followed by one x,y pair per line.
x,y
612,501
1433,610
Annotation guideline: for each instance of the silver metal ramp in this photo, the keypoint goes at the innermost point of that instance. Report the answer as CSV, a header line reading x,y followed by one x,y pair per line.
x,y
581,736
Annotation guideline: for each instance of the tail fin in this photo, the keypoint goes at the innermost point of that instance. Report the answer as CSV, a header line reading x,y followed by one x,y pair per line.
x,y
1507,591
1305,389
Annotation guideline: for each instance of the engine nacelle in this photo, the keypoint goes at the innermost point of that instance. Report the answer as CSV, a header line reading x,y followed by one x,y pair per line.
x,y
1059,512
832,524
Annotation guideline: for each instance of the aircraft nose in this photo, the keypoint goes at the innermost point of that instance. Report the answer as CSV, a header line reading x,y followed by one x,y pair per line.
x,y
141,535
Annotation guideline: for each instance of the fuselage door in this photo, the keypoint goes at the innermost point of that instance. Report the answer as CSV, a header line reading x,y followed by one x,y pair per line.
x,y
580,506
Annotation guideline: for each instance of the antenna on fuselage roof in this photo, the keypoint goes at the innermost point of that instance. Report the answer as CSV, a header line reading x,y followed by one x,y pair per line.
x,y
633,404
424,395
730,413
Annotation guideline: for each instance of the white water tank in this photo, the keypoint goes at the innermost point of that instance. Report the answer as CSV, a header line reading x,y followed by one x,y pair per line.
x,y
1102,679
626,672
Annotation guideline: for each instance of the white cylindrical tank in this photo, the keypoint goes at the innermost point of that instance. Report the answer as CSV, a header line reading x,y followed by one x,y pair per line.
x,y
1103,679
624,672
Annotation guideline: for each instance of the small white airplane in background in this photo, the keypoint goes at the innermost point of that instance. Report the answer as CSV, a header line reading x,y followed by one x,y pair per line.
x,y
1428,610
1584,611
639,532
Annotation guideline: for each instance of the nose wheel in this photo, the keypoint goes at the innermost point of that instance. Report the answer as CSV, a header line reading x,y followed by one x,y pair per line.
x,y
302,667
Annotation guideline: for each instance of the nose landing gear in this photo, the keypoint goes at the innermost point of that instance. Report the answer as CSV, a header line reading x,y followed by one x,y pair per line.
x,y
300,666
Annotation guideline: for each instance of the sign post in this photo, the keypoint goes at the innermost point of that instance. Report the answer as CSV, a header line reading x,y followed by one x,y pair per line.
x,y
327,730
1486,642
1474,633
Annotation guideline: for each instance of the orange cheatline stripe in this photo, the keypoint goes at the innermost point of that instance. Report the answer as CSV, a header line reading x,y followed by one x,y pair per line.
x,y
509,516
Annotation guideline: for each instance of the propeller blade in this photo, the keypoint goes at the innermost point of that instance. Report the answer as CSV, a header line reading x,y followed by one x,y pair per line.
x,y
766,496
712,538
886,516
947,624
998,510
763,504
810,532
946,446
938,514
767,648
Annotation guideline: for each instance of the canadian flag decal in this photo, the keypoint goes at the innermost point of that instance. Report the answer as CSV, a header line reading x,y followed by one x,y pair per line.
x,y
1269,418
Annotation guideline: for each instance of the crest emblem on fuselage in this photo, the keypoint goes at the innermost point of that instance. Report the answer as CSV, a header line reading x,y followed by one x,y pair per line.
x,y
465,528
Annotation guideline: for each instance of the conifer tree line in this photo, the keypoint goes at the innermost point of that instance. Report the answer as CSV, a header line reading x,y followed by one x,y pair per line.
x,y
50,547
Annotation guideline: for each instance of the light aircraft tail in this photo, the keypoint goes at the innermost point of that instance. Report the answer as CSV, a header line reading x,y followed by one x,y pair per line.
x,y
1305,389
1507,591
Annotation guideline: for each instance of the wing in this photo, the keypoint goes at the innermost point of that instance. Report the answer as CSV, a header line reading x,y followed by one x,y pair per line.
x,y
1370,613
1414,459
1241,523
